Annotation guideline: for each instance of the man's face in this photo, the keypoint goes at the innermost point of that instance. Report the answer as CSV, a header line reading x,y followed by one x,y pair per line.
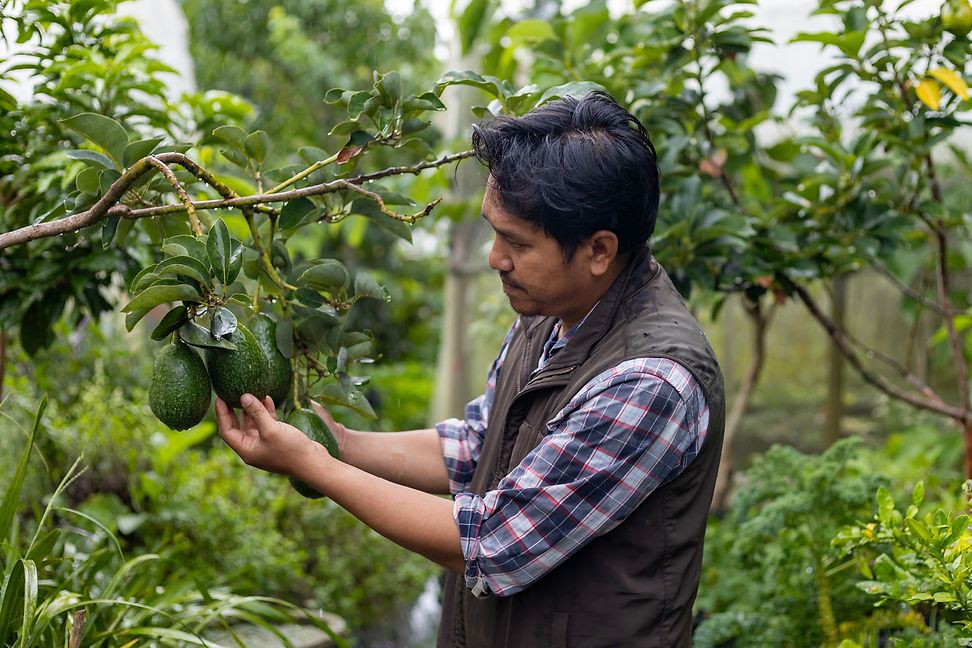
x,y
531,266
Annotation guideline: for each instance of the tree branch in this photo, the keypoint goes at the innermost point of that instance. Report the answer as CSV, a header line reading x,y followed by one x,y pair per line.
x,y
913,294
106,206
840,339
958,353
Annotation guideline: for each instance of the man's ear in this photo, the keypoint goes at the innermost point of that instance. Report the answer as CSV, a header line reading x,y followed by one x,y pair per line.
x,y
603,250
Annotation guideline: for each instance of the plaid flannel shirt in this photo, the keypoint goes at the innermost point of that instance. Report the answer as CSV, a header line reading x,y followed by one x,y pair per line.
x,y
633,427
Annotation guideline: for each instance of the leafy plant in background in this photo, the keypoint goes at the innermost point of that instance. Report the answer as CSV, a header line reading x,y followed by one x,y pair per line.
x,y
71,584
920,562
797,558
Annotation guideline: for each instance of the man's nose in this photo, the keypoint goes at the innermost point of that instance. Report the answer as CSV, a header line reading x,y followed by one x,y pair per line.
x,y
498,259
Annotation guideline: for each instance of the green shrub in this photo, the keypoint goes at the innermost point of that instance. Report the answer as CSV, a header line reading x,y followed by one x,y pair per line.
x,y
801,559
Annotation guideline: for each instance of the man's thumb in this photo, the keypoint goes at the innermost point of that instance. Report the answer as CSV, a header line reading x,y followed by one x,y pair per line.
x,y
257,411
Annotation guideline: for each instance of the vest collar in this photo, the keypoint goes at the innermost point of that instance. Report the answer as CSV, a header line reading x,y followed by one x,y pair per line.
x,y
640,270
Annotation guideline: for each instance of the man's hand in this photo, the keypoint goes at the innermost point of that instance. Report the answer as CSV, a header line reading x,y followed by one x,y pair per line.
x,y
262,441
339,431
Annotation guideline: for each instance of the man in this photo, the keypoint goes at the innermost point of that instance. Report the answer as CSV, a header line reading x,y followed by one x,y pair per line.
x,y
582,477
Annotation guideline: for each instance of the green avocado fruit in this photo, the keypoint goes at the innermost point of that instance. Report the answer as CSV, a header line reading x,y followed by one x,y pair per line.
x,y
311,425
180,390
281,373
243,371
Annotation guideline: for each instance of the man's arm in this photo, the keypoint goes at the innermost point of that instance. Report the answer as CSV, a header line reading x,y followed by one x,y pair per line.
x,y
412,458
418,521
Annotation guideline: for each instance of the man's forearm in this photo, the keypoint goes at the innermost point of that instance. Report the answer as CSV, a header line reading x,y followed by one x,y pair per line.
x,y
413,458
418,521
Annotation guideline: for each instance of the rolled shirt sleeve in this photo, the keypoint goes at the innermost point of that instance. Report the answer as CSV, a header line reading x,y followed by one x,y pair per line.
x,y
632,428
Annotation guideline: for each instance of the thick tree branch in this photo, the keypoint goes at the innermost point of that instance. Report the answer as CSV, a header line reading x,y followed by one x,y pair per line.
x,y
106,206
842,342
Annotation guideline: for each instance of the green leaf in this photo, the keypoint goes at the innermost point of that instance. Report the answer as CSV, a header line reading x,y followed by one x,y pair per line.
x,y
187,266
885,504
576,89
356,104
326,274
294,213
194,247
155,295
91,156
218,248
12,601
102,131
472,22
334,394
919,529
918,493
236,260
198,336
8,509
87,180
848,42
365,287
139,149
108,231
390,87
235,157
257,145
173,320
285,338
232,135
133,318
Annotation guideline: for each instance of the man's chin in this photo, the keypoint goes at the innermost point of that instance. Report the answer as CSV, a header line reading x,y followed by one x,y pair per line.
x,y
521,307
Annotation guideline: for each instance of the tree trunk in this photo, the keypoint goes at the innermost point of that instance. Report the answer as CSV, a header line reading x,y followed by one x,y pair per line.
x,y
454,383
835,374
760,322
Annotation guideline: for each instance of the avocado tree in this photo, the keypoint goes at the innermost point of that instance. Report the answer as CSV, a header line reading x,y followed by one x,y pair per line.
x,y
869,178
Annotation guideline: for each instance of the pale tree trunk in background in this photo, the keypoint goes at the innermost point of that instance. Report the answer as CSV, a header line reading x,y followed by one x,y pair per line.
x,y
835,373
456,379
760,322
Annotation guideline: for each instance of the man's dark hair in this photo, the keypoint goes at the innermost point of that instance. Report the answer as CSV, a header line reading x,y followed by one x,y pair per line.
x,y
572,167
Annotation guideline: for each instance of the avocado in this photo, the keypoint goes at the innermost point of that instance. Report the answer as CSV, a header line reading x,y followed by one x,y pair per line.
x,y
311,425
243,371
264,330
179,393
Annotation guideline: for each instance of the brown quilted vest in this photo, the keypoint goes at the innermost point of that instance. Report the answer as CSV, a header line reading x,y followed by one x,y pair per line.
x,y
635,585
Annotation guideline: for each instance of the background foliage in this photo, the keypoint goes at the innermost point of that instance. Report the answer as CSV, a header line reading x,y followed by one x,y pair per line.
x,y
763,205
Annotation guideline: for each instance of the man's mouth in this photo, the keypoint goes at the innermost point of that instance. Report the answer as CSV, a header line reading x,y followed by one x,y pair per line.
x,y
510,285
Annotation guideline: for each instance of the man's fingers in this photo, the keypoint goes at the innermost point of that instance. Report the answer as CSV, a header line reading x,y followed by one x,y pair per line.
x,y
257,412
268,403
225,418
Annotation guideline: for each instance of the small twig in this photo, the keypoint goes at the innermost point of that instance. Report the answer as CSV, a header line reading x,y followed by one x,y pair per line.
x,y
905,288
841,340
180,191
77,625
371,195
303,174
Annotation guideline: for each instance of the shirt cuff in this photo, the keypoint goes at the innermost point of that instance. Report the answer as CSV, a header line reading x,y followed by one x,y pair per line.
x,y
451,443
468,511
